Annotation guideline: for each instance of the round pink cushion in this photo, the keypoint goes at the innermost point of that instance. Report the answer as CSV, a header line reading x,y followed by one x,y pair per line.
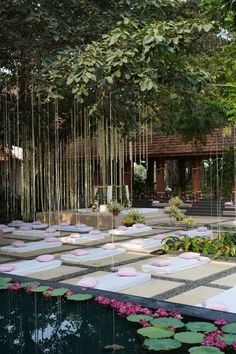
x,y
138,241
139,226
88,282
126,272
160,262
74,235
19,244
109,246
50,230
180,232
95,232
80,252
52,239
2,226
215,305
189,255
64,224
81,225
45,258
37,222
159,237
17,221
7,267
25,228
122,228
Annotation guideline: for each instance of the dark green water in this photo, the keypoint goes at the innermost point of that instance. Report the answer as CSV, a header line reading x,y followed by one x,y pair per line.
x,y
30,324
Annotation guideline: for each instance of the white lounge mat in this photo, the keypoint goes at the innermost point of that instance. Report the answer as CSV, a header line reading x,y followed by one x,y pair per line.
x,y
225,299
7,230
177,264
31,246
28,224
72,228
36,233
93,255
114,282
193,233
142,244
32,266
84,238
131,230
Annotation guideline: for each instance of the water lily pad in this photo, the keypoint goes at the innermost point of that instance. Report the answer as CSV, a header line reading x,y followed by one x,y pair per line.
x,y
5,280
205,350
167,321
29,283
161,344
229,328
137,318
40,289
4,286
155,332
189,337
59,292
79,297
201,326
228,338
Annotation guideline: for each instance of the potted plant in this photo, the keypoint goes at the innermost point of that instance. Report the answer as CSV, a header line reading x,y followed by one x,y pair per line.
x,y
133,217
114,207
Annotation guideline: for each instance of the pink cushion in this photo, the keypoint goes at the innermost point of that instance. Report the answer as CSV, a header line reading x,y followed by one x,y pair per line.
x,y
80,225
122,228
7,267
64,224
139,226
159,237
229,203
19,244
202,229
160,262
109,246
50,230
17,221
37,222
126,272
189,255
95,232
214,305
88,282
138,241
52,239
75,235
80,252
45,258
180,232
25,228
2,226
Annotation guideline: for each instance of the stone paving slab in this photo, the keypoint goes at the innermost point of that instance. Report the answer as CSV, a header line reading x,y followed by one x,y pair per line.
x,y
229,280
195,296
4,259
151,288
57,272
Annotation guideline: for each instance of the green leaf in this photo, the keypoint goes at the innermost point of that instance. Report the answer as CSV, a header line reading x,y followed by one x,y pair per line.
x,y
40,289
228,338
5,280
148,39
161,344
207,28
137,318
205,350
155,332
189,337
28,283
4,286
201,326
229,328
167,321
79,297
59,291
109,79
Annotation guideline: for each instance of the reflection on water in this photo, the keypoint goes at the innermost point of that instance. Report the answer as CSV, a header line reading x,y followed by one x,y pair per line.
x,y
30,324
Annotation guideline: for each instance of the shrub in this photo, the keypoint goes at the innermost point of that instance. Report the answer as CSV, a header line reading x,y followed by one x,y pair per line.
x,y
133,217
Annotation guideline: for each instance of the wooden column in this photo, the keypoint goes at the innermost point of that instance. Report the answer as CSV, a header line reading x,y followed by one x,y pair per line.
x,y
181,175
150,174
160,177
196,177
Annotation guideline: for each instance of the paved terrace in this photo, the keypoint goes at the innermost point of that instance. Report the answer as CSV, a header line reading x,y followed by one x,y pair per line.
x,y
184,287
